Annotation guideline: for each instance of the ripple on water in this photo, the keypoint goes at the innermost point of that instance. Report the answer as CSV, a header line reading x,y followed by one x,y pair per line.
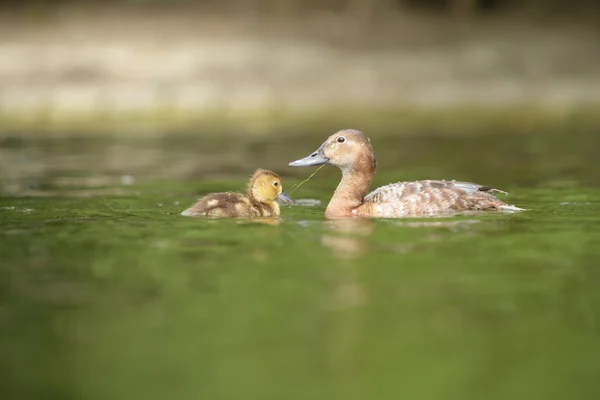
x,y
308,202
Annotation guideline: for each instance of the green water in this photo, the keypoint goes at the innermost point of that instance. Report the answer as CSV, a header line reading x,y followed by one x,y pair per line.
x,y
107,293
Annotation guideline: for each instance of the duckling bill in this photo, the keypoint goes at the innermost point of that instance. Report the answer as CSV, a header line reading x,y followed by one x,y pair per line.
x,y
260,200
351,151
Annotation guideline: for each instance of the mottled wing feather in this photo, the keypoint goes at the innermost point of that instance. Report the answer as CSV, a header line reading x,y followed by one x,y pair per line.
x,y
431,197
398,191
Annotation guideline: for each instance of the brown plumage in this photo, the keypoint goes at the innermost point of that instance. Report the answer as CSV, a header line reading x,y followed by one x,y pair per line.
x,y
351,151
264,188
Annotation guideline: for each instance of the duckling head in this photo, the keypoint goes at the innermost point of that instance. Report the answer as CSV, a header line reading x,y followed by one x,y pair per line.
x,y
348,149
266,187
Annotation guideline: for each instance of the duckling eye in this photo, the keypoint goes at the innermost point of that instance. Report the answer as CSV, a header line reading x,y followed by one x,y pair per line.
x,y
275,184
341,139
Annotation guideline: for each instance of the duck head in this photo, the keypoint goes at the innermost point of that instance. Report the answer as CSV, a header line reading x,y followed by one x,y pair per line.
x,y
348,149
266,187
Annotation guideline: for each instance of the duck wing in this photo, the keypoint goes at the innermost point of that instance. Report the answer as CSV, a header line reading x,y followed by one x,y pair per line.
x,y
397,192
430,197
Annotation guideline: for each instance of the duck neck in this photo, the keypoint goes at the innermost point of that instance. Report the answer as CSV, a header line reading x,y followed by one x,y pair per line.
x,y
350,193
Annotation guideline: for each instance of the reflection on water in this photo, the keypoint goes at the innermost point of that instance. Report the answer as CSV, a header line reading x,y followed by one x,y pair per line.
x,y
266,220
346,237
107,292
455,225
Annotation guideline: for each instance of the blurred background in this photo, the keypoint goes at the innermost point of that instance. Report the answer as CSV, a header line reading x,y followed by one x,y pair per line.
x,y
122,62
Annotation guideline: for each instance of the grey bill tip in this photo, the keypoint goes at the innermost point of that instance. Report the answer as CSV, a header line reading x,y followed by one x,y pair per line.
x,y
316,158
283,196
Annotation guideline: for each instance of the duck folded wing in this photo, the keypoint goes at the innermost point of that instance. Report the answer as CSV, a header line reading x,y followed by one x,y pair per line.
x,y
429,190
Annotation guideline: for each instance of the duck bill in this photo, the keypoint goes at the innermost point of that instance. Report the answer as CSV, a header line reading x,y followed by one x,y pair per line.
x,y
283,196
316,158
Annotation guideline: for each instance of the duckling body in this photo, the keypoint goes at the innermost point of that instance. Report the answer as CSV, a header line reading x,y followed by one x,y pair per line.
x,y
351,151
260,200
231,204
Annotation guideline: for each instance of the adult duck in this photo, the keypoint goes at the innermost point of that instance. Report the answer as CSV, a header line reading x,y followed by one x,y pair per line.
x,y
351,151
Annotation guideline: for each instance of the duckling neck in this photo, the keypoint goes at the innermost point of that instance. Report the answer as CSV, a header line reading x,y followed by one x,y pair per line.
x,y
266,208
273,208
350,193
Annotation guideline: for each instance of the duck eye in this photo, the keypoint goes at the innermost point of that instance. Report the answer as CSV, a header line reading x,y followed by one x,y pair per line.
x,y
275,184
341,139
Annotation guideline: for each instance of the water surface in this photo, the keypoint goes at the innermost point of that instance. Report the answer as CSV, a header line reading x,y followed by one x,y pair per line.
x,y
106,292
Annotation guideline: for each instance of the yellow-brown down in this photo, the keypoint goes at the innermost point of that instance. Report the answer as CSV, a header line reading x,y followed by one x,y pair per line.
x,y
264,188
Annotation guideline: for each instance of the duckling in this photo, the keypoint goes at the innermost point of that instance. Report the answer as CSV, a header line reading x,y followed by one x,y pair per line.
x,y
264,188
351,151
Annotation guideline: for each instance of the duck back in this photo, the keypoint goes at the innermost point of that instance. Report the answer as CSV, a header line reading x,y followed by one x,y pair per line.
x,y
430,197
